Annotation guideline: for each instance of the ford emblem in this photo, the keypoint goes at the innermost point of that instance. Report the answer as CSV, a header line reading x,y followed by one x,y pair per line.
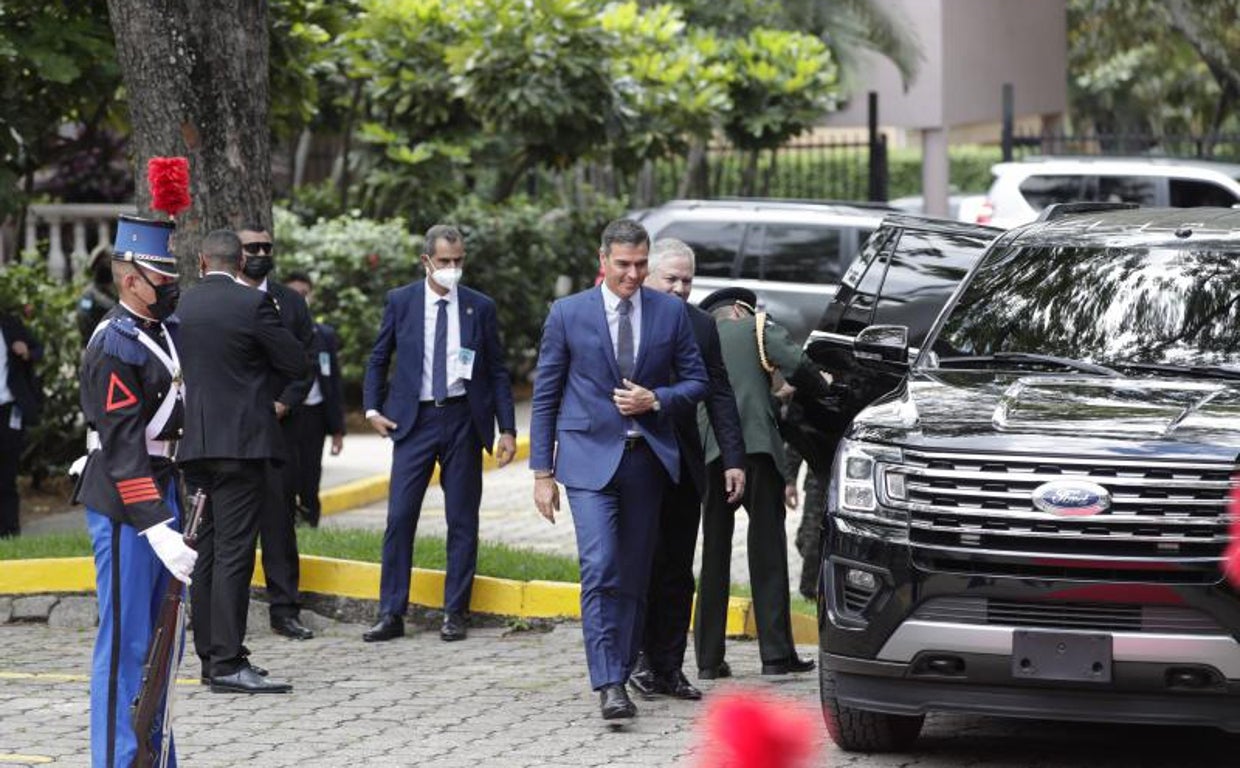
x,y
1071,498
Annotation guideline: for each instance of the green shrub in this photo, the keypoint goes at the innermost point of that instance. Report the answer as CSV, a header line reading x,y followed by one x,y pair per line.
x,y
47,308
516,253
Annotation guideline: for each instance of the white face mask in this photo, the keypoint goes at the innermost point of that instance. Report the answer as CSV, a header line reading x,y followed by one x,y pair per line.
x,y
447,278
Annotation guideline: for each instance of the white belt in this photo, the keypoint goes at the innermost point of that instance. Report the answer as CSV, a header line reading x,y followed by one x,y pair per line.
x,y
161,448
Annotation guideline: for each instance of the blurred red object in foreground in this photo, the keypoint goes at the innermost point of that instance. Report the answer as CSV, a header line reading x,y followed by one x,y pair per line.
x,y
1231,559
749,729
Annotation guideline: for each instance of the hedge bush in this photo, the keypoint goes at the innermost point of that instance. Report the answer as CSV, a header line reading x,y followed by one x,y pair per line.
x,y
516,253
47,308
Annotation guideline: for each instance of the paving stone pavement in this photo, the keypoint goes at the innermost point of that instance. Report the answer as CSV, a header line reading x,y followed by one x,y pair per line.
x,y
497,699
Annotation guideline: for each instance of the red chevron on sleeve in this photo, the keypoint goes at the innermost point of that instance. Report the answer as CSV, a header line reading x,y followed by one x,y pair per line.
x,y
137,489
119,395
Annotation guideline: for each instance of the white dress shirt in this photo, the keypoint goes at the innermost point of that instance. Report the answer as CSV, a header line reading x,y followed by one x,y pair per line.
x,y
456,385
611,304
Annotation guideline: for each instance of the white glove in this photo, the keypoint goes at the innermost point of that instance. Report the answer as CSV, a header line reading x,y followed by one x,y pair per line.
x,y
172,551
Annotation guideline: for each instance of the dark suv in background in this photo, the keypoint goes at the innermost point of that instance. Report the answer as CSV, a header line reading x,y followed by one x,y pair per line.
x,y
904,275
1033,522
791,254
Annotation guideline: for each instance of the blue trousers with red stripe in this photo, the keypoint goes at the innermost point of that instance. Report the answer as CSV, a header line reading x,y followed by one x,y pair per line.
x,y
130,582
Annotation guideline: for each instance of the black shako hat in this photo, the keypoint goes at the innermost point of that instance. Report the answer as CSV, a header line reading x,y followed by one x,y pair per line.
x,y
734,295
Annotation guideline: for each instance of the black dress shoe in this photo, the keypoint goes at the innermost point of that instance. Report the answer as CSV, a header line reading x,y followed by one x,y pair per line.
x,y
647,683
786,666
289,626
678,687
453,628
719,670
615,703
246,680
206,675
387,628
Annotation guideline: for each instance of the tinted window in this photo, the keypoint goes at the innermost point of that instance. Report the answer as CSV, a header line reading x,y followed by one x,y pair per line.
x,y
801,253
860,309
1190,193
858,266
714,243
1142,190
923,272
1169,306
1042,191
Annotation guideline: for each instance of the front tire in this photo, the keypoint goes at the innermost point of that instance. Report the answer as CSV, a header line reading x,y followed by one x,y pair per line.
x,y
862,730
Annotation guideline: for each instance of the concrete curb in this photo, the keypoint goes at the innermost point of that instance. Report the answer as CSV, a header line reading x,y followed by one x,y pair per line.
x,y
349,578
368,490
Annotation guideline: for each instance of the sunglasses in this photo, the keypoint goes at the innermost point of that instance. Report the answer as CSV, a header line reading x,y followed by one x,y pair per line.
x,y
256,248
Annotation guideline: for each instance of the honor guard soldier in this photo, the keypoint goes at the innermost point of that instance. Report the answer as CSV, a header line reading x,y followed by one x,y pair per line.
x,y
132,392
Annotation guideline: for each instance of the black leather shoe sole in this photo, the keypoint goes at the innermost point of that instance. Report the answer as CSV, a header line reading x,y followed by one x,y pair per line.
x,y
713,673
619,713
269,688
452,635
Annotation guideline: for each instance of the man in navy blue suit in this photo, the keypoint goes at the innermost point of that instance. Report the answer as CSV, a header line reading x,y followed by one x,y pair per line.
x,y
449,389
617,364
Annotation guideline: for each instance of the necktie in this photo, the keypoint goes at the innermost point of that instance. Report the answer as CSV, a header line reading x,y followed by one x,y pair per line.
x,y
624,340
439,363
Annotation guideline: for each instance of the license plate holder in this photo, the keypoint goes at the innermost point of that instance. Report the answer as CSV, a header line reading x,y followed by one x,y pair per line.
x,y
1073,656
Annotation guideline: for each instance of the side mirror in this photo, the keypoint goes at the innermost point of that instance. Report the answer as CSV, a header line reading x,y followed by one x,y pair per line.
x,y
882,343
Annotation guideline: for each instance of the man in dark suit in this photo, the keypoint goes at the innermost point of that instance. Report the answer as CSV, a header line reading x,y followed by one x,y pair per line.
x,y
617,364
231,341
20,402
321,413
669,600
449,389
277,533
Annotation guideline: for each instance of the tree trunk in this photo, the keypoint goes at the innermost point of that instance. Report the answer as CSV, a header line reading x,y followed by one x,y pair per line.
x,y
196,78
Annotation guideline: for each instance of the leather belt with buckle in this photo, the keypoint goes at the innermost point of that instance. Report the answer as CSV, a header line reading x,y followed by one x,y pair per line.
x,y
445,401
633,441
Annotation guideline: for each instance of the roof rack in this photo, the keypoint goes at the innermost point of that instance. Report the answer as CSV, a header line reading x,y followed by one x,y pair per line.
x,y
878,206
1059,210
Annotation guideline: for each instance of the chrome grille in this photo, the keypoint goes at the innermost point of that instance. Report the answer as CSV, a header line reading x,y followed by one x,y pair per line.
x,y
1162,512
1108,617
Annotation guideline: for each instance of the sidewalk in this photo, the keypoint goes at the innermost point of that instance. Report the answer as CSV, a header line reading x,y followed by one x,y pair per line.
x,y
507,514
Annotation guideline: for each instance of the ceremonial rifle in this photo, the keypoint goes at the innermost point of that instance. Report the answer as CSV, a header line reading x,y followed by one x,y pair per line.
x,y
163,659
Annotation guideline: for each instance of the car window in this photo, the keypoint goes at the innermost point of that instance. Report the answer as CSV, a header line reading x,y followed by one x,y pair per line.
x,y
1142,190
860,310
921,275
714,243
1042,191
858,266
799,253
1191,193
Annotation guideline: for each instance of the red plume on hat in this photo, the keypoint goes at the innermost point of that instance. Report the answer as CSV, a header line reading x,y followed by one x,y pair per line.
x,y
749,729
168,180
1231,560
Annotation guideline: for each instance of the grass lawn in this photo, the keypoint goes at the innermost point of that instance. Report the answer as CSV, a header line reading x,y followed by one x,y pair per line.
x,y
498,560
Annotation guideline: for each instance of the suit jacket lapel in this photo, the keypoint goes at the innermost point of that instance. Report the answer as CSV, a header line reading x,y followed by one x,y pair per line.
x,y
600,322
466,307
418,308
648,323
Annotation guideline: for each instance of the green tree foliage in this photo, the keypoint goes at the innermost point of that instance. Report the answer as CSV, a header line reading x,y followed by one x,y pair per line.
x,y
47,309
57,66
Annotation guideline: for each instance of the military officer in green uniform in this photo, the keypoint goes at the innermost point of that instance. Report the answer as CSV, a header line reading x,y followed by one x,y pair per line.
x,y
751,358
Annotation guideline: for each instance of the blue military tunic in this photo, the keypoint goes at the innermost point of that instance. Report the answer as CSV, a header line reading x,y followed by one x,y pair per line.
x,y
128,485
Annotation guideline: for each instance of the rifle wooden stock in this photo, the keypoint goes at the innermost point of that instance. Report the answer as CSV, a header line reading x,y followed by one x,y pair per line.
x,y
159,673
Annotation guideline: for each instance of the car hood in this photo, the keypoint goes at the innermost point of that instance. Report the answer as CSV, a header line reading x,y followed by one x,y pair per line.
x,y
987,410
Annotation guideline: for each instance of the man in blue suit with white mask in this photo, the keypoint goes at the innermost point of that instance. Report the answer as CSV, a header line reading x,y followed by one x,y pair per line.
x,y
448,390
616,364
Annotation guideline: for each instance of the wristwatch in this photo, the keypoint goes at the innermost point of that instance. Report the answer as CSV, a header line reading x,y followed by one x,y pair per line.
x,y
656,407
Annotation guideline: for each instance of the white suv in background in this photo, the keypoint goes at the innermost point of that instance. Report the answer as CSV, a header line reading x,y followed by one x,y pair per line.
x,y
1022,189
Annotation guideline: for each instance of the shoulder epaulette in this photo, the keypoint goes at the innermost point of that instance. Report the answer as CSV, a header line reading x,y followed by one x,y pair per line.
x,y
120,340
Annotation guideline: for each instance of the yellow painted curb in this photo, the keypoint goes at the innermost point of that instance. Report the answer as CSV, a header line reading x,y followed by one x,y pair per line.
x,y
368,490
350,578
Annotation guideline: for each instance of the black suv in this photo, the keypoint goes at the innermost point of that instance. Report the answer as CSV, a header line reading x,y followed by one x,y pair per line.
x,y
904,275
1033,523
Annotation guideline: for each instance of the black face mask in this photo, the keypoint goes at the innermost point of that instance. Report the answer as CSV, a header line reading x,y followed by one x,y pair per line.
x,y
166,298
256,266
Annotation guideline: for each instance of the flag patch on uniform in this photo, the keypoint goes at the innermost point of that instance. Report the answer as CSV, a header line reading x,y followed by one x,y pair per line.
x,y
119,395
137,489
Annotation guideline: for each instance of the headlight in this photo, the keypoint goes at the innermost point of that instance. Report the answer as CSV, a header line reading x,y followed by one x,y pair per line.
x,y
860,472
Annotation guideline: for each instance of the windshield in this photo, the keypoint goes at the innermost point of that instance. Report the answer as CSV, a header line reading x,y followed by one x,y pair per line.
x,y
1108,306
